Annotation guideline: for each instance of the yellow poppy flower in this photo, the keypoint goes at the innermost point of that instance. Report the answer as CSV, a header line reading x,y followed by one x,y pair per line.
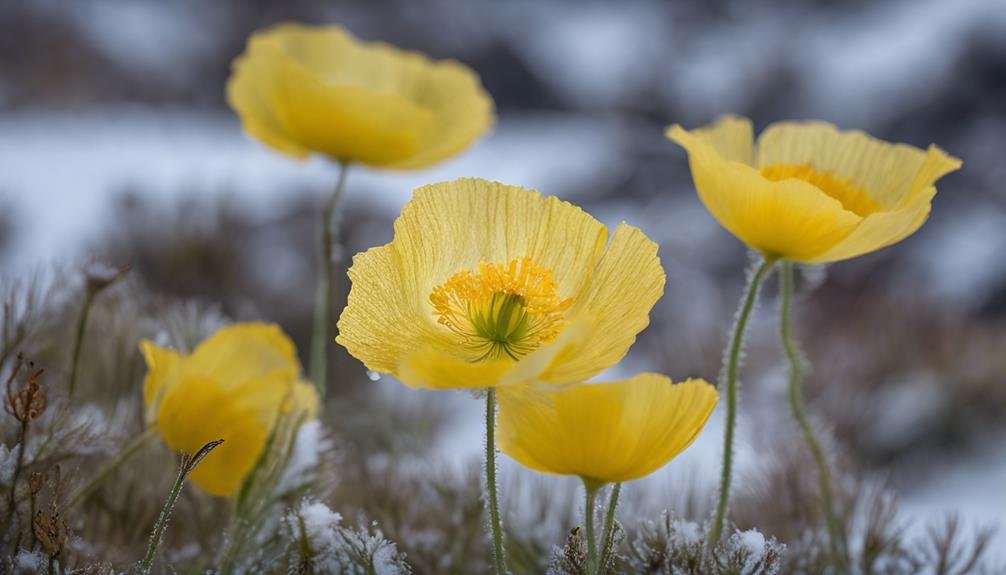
x,y
806,191
232,387
303,89
487,284
604,432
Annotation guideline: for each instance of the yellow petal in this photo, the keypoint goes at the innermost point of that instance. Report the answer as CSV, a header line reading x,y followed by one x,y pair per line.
x,y
881,229
199,409
433,370
447,228
790,218
614,307
304,89
603,432
245,352
162,370
887,173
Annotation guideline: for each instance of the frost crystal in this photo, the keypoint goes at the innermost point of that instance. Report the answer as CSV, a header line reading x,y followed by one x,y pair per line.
x,y
318,542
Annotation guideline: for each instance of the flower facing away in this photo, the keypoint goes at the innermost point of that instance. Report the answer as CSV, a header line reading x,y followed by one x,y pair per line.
x,y
604,432
806,191
234,386
486,284
302,89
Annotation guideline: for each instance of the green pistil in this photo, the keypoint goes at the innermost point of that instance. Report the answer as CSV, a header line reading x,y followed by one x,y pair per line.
x,y
502,326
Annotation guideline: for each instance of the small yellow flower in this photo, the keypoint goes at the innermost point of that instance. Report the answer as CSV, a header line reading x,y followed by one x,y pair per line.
x,y
232,387
604,432
806,191
303,89
487,284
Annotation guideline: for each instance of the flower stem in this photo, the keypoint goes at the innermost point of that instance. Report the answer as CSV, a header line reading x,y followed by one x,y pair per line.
x,y
323,287
835,531
78,340
733,361
125,454
494,511
607,538
588,513
189,463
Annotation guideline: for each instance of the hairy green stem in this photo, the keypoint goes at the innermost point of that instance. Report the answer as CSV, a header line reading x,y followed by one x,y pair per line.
x,y
836,535
733,360
607,538
125,454
499,559
78,339
188,464
162,519
323,287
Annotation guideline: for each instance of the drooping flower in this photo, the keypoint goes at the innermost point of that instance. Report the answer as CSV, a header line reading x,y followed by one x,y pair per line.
x,y
604,432
316,89
807,192
234,386
487,284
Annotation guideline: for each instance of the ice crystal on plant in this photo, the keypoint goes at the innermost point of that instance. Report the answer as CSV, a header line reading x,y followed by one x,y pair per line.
x,y
320,543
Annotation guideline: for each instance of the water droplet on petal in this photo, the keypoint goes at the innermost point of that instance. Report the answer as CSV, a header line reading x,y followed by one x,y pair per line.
x,y
373,375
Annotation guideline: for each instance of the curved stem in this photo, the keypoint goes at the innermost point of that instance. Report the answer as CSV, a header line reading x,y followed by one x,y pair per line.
x,y
835,533
607,538
733,361
323,286
78,341
127,452
492,498
162,519
589,520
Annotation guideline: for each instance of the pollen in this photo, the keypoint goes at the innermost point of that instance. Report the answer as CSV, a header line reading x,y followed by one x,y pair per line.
x,y
503,310
851,196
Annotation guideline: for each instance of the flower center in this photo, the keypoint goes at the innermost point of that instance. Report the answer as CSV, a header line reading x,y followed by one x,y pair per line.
x,y
503,311
851,196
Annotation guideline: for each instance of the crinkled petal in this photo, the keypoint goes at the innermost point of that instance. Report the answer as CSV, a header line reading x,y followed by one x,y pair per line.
x,y
887,173
447,228
613,308
603,432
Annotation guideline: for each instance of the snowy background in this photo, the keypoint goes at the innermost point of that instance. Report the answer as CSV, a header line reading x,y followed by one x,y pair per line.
x,y
115,142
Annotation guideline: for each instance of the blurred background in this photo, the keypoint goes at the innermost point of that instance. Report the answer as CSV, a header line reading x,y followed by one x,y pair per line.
x,y
116,143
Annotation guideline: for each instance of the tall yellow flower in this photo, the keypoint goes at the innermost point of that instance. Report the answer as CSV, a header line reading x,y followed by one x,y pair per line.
x,y
604,432
807,192
487,284
303,89
234,386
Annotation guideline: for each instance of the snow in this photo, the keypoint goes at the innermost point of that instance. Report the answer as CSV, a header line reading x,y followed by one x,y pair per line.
x,y
8,461
59,171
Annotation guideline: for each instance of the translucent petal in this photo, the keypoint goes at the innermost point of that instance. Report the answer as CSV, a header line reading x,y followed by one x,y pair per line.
x,y
447,228
613,308
888,173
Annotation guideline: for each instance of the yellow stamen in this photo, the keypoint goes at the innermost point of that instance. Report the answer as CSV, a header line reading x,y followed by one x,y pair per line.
x,y
504,310
852,197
